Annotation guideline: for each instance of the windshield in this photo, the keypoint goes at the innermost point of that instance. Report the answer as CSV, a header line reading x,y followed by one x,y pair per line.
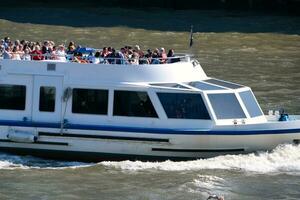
x,y
226,106
251,104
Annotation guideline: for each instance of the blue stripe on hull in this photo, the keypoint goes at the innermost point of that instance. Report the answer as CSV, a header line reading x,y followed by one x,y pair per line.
x,y
144,130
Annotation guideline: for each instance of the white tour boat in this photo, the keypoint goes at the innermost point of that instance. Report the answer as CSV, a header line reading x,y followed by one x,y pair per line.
x,y
96,112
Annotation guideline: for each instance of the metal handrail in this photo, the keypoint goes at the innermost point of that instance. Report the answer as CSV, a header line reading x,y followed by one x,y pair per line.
x,y
111,60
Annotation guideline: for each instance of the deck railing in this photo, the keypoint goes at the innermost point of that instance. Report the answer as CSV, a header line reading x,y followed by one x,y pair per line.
x,y
180,57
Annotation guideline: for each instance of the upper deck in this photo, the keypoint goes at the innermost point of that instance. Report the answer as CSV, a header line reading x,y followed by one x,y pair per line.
x,y
185,70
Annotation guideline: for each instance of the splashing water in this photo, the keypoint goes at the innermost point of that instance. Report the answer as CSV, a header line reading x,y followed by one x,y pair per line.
x,y
204,185
284,158
8,161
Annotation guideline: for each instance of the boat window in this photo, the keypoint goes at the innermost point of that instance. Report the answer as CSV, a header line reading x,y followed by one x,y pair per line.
x,y
183,106
132,103
171,85
12,97
224,83
250,103
204,86
90,101
226,106
47,99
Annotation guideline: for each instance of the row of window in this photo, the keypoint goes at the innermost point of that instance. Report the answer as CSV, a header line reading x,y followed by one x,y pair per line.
x,y
136,104
95,101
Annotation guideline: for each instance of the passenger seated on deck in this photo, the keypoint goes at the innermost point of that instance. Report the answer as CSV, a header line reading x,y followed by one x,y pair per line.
x,y
163,55
96,58
71,48
109,49
26,55
78,57
148,58
155,57
7,41
36,54
53,55
113,57
60,53
7,54
135,58
104,52
47,50
15,54
122,57
129,56
171,56
20,49
139,51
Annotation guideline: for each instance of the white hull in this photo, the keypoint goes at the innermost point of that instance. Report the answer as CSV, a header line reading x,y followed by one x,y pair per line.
x,y
94,145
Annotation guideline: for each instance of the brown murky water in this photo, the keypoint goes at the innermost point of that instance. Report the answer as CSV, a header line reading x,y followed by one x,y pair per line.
x,y
257,50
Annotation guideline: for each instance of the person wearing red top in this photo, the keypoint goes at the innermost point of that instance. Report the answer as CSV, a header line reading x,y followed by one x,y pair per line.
x,y
37,54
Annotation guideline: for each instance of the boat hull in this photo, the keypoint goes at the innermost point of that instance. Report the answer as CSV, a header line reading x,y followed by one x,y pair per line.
x,y
99,145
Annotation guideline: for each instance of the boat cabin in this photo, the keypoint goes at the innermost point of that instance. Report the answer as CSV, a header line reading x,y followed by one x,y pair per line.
x,y
139,96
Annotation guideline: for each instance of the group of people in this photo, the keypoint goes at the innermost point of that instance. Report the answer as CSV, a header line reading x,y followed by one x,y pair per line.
x,y
48,50
27,50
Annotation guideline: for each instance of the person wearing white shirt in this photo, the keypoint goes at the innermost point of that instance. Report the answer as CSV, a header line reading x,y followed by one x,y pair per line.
x,y
61,54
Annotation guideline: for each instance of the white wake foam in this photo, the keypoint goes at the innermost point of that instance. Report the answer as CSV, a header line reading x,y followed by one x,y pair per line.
x,y
12,162
285,158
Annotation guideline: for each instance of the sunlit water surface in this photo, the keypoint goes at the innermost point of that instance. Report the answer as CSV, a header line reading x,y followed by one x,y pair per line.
x,y
266,59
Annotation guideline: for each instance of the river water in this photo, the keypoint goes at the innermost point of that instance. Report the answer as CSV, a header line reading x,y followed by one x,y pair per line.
x,y
254,49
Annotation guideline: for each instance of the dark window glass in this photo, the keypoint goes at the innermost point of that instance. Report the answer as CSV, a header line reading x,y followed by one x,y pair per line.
x,y
47,99
226,106
131,103
12,97
90,101
224,83
251,104
185,106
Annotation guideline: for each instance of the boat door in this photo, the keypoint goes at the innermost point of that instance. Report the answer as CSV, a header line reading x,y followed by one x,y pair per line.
x,y
47,95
